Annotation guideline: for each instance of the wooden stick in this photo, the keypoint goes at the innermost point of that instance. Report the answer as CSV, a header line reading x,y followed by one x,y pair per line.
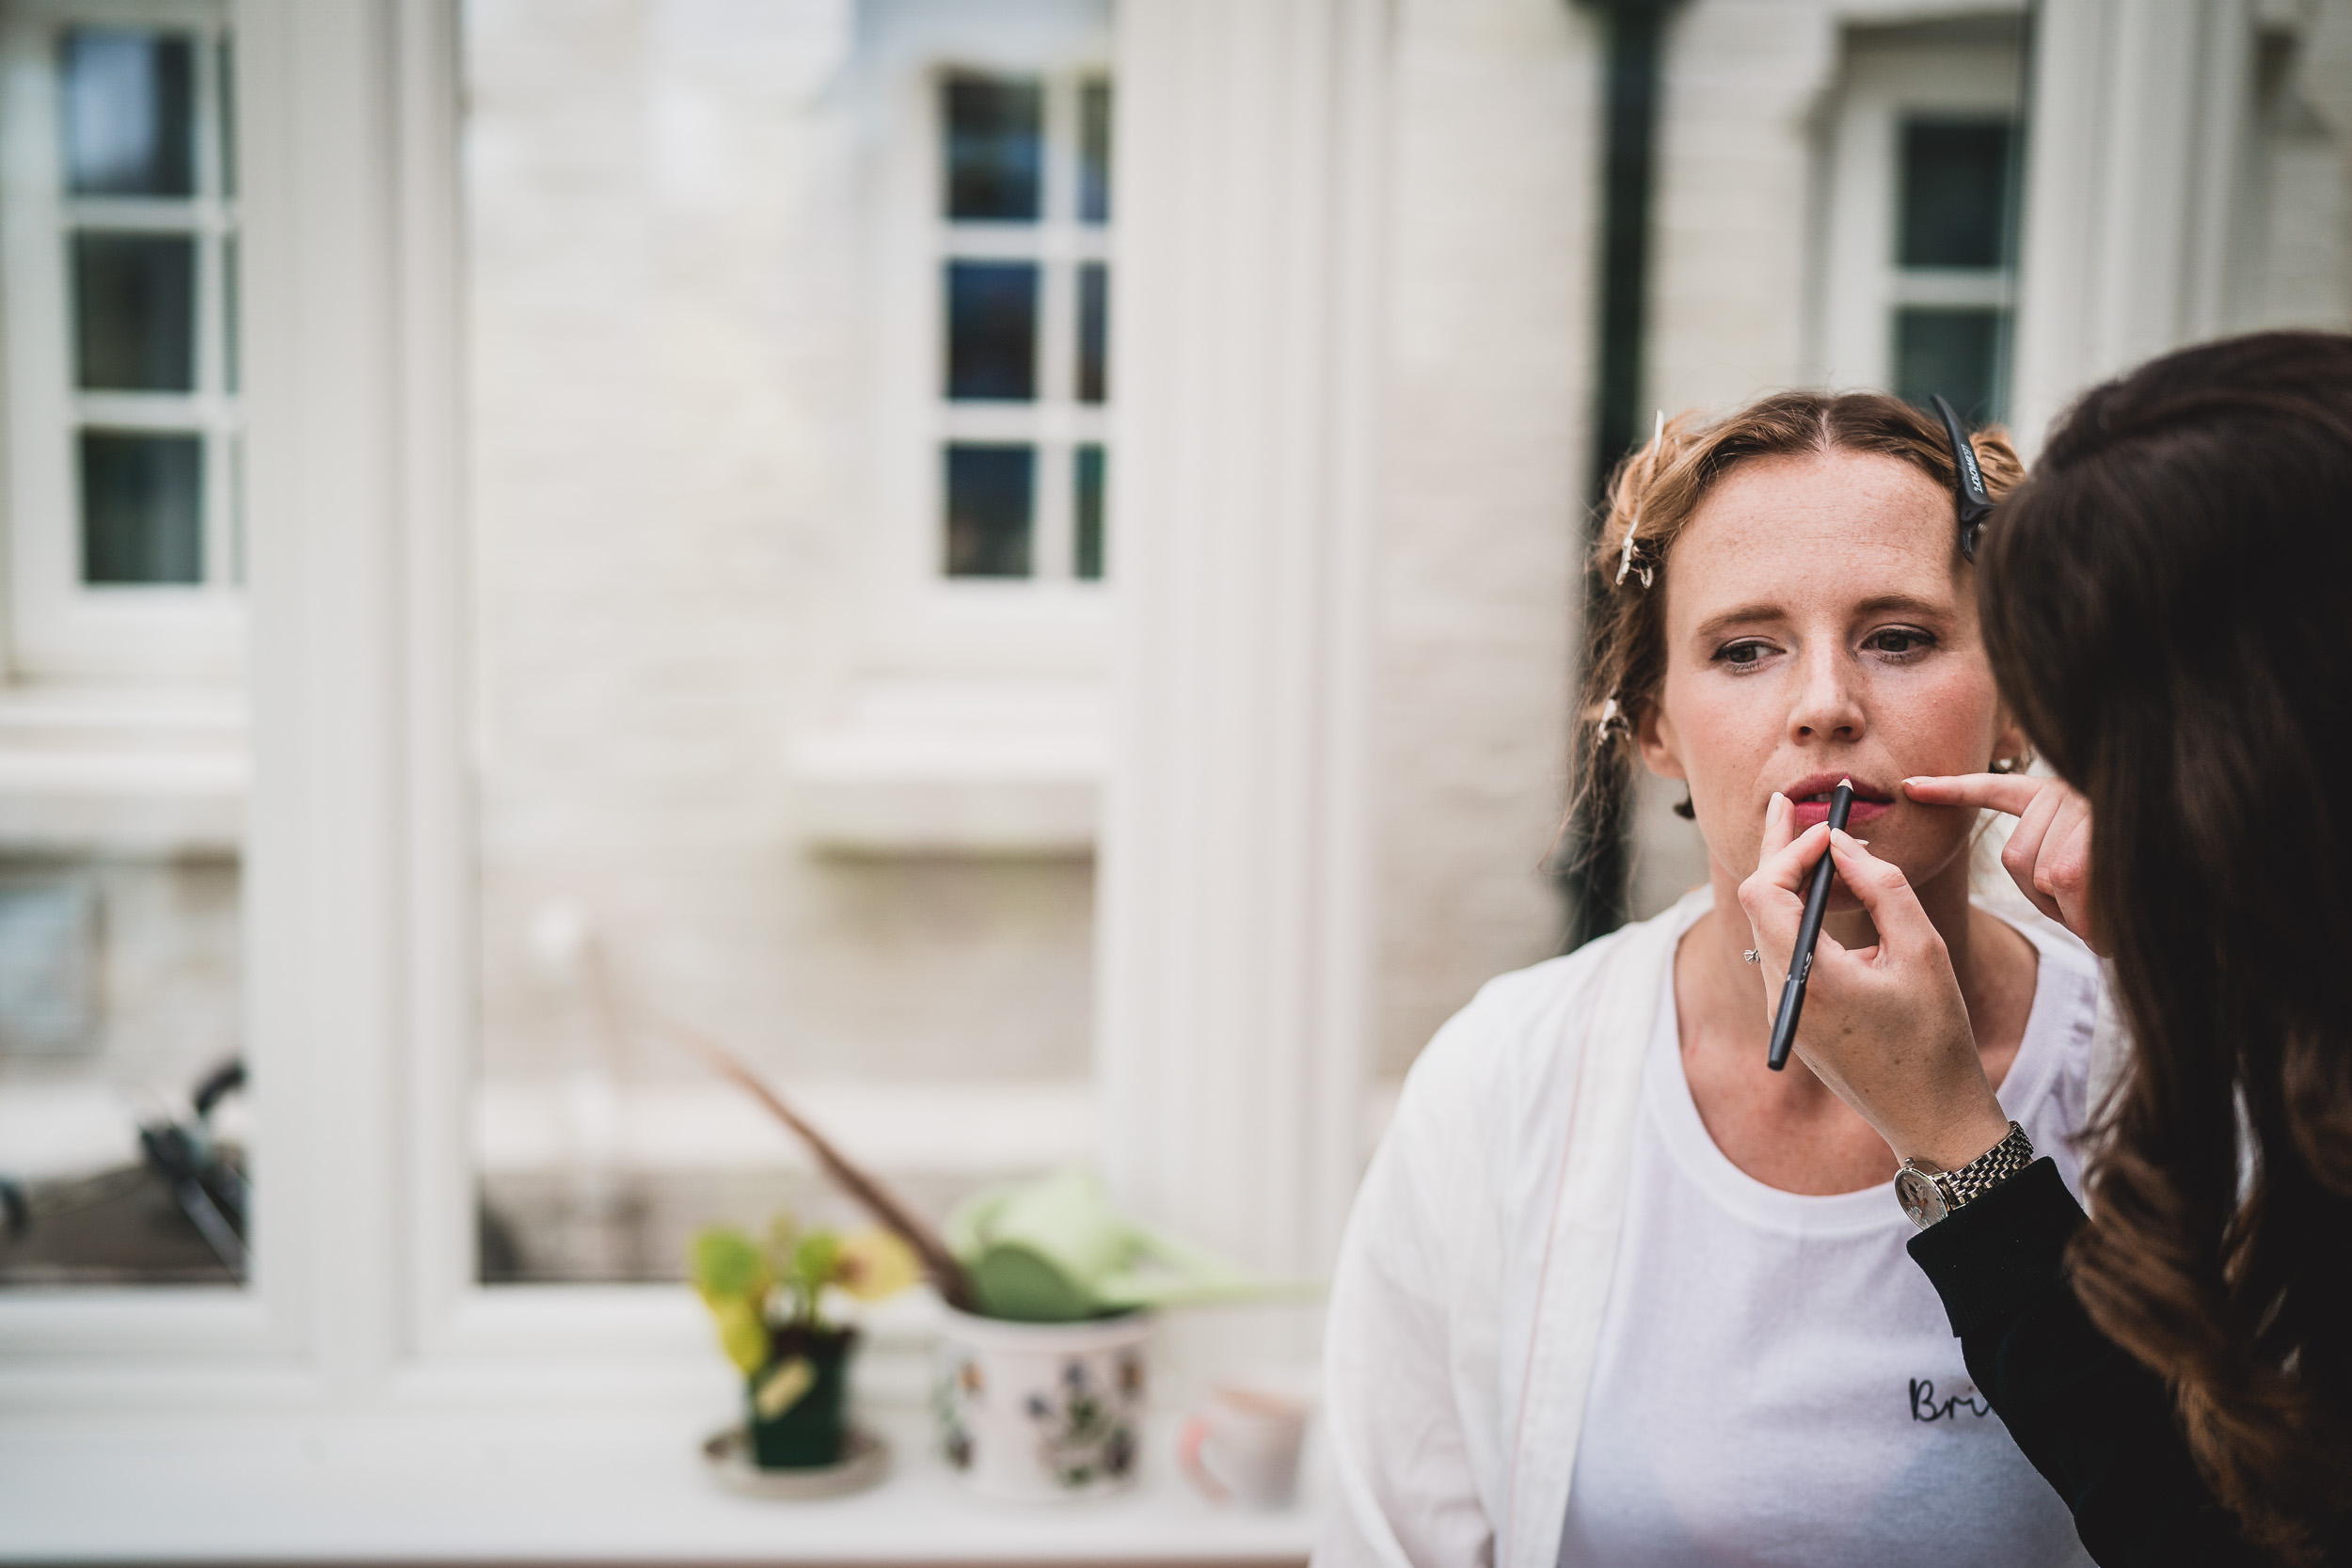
x,y
946,1275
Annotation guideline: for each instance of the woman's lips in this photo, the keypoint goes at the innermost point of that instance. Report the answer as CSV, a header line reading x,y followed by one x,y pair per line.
x,y
1810,812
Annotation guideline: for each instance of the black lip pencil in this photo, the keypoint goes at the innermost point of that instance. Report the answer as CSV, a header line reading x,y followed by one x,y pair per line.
x,y
1808,933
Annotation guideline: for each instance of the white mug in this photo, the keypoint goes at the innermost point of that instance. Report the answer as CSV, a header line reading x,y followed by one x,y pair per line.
x,y
1242,1447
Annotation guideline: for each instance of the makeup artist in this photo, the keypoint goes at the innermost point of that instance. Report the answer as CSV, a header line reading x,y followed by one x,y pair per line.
x,y
2168,606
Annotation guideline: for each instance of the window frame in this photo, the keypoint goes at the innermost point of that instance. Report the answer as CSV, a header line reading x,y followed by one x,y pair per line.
x,y
921,622
1862,283
1055,423
61,627
355,854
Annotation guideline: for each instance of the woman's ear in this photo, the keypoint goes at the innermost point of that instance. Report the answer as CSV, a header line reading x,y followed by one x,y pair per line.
x,y
1662,752
2010,745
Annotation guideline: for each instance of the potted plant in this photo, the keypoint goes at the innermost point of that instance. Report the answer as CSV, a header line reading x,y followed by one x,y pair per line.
x,y
1039,1384
770,1303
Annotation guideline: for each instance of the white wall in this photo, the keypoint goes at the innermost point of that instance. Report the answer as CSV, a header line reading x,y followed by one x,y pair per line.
x,y
1481,492
670,336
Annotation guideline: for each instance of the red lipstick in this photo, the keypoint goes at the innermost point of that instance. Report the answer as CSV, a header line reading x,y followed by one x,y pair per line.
x,y
1810,797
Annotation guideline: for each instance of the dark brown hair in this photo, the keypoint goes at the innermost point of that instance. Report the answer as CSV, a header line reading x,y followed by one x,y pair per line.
x,y
1654,495
2167,603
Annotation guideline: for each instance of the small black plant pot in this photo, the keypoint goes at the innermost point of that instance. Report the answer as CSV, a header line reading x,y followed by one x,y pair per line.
x,y
810,1432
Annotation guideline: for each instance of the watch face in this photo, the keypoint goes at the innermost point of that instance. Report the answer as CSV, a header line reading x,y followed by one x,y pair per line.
x,y
1920,1197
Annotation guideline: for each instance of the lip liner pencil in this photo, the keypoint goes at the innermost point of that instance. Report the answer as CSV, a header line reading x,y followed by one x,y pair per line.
x,y
1808,933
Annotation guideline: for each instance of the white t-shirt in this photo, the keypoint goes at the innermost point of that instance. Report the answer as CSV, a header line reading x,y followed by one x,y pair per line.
x,y
1777,1381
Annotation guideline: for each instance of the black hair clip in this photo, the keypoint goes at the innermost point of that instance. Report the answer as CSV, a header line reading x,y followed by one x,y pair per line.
x,y
1968,496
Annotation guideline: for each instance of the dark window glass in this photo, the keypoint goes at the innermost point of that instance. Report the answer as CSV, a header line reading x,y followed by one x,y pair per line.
x,y
989,494
135,312
1094,151
1086,559
227,58
142,507
992,330
130,112
1094,303
1955,193
1956,352
995,147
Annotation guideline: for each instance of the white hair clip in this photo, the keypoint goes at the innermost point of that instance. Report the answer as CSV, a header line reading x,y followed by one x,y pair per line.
x,y
1612,719
1624,558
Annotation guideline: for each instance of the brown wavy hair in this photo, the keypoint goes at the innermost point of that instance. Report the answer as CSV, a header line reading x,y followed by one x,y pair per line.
x,y
1656,491
2167,603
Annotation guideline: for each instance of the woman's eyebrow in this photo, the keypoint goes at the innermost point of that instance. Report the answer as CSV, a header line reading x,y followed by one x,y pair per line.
x,y
1765,610
1746,614
1902,603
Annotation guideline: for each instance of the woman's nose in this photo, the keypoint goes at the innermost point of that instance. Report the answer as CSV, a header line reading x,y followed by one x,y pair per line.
x,y
1827,708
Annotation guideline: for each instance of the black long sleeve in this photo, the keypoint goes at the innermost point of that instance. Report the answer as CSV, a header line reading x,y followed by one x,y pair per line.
x,y
2097,1424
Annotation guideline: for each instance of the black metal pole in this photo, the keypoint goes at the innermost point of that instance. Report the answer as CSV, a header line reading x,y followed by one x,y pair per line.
x,y
1599,857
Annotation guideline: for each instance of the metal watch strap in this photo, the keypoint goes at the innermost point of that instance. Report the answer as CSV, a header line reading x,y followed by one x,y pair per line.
x,y
1929,1195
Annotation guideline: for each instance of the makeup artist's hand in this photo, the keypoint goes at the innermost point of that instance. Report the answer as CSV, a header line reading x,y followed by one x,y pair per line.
x,y
1884,1026
2049,855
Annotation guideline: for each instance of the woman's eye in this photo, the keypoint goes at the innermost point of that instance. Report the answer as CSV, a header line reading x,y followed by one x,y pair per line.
x,y
1900,641
1738,654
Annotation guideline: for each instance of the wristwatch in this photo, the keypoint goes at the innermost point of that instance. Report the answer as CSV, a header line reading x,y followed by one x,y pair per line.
x,y
1928,1194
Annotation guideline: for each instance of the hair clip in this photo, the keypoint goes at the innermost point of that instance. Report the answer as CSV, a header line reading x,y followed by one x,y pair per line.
x,y
1624,558
1612,720
1969,498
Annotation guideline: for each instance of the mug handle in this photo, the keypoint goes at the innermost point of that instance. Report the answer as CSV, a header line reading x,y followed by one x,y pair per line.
x,y
1194,1433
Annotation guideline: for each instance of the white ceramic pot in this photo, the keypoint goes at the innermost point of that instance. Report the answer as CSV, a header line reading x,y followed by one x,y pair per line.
x,y
1039,1412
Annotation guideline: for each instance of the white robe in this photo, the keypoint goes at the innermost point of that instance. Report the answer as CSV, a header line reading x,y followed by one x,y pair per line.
x,y
1477,1261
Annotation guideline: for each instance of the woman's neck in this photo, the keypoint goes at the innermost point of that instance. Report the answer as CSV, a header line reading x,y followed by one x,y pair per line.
x,y
1787,1129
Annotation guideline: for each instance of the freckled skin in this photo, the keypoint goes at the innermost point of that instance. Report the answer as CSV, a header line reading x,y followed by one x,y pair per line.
x,y
1819,620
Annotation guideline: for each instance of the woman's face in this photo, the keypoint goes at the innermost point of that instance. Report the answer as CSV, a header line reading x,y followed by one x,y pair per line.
x,y
1816,629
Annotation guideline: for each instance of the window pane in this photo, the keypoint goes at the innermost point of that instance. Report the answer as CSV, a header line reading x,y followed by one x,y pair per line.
x,y
142,507
1094,303
1955,201
227,61
992,330
118,998
995,153
989,491
1087,557
130,112
135,312
1094,153
1956,352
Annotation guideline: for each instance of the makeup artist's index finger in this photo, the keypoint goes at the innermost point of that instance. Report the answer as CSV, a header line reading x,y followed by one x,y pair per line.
x,y
2003,792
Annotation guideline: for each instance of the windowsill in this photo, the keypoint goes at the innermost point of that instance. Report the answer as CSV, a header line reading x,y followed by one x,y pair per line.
x,y
605,1486
955,767
564,1447
122,769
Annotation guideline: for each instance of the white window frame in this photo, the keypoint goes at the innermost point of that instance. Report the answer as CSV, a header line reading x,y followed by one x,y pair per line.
x,y
61,627
1055,425
972,714
924,623
1886,82
259,1422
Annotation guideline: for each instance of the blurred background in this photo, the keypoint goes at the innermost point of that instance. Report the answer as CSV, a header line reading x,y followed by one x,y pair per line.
x,y
1014,562
793,553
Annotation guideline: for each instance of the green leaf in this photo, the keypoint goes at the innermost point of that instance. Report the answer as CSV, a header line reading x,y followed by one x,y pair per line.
x,y
742,1333
815,1263
727,1267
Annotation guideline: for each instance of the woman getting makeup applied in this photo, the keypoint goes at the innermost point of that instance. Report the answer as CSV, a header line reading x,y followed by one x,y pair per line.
x,y
1613,1293
2168,604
